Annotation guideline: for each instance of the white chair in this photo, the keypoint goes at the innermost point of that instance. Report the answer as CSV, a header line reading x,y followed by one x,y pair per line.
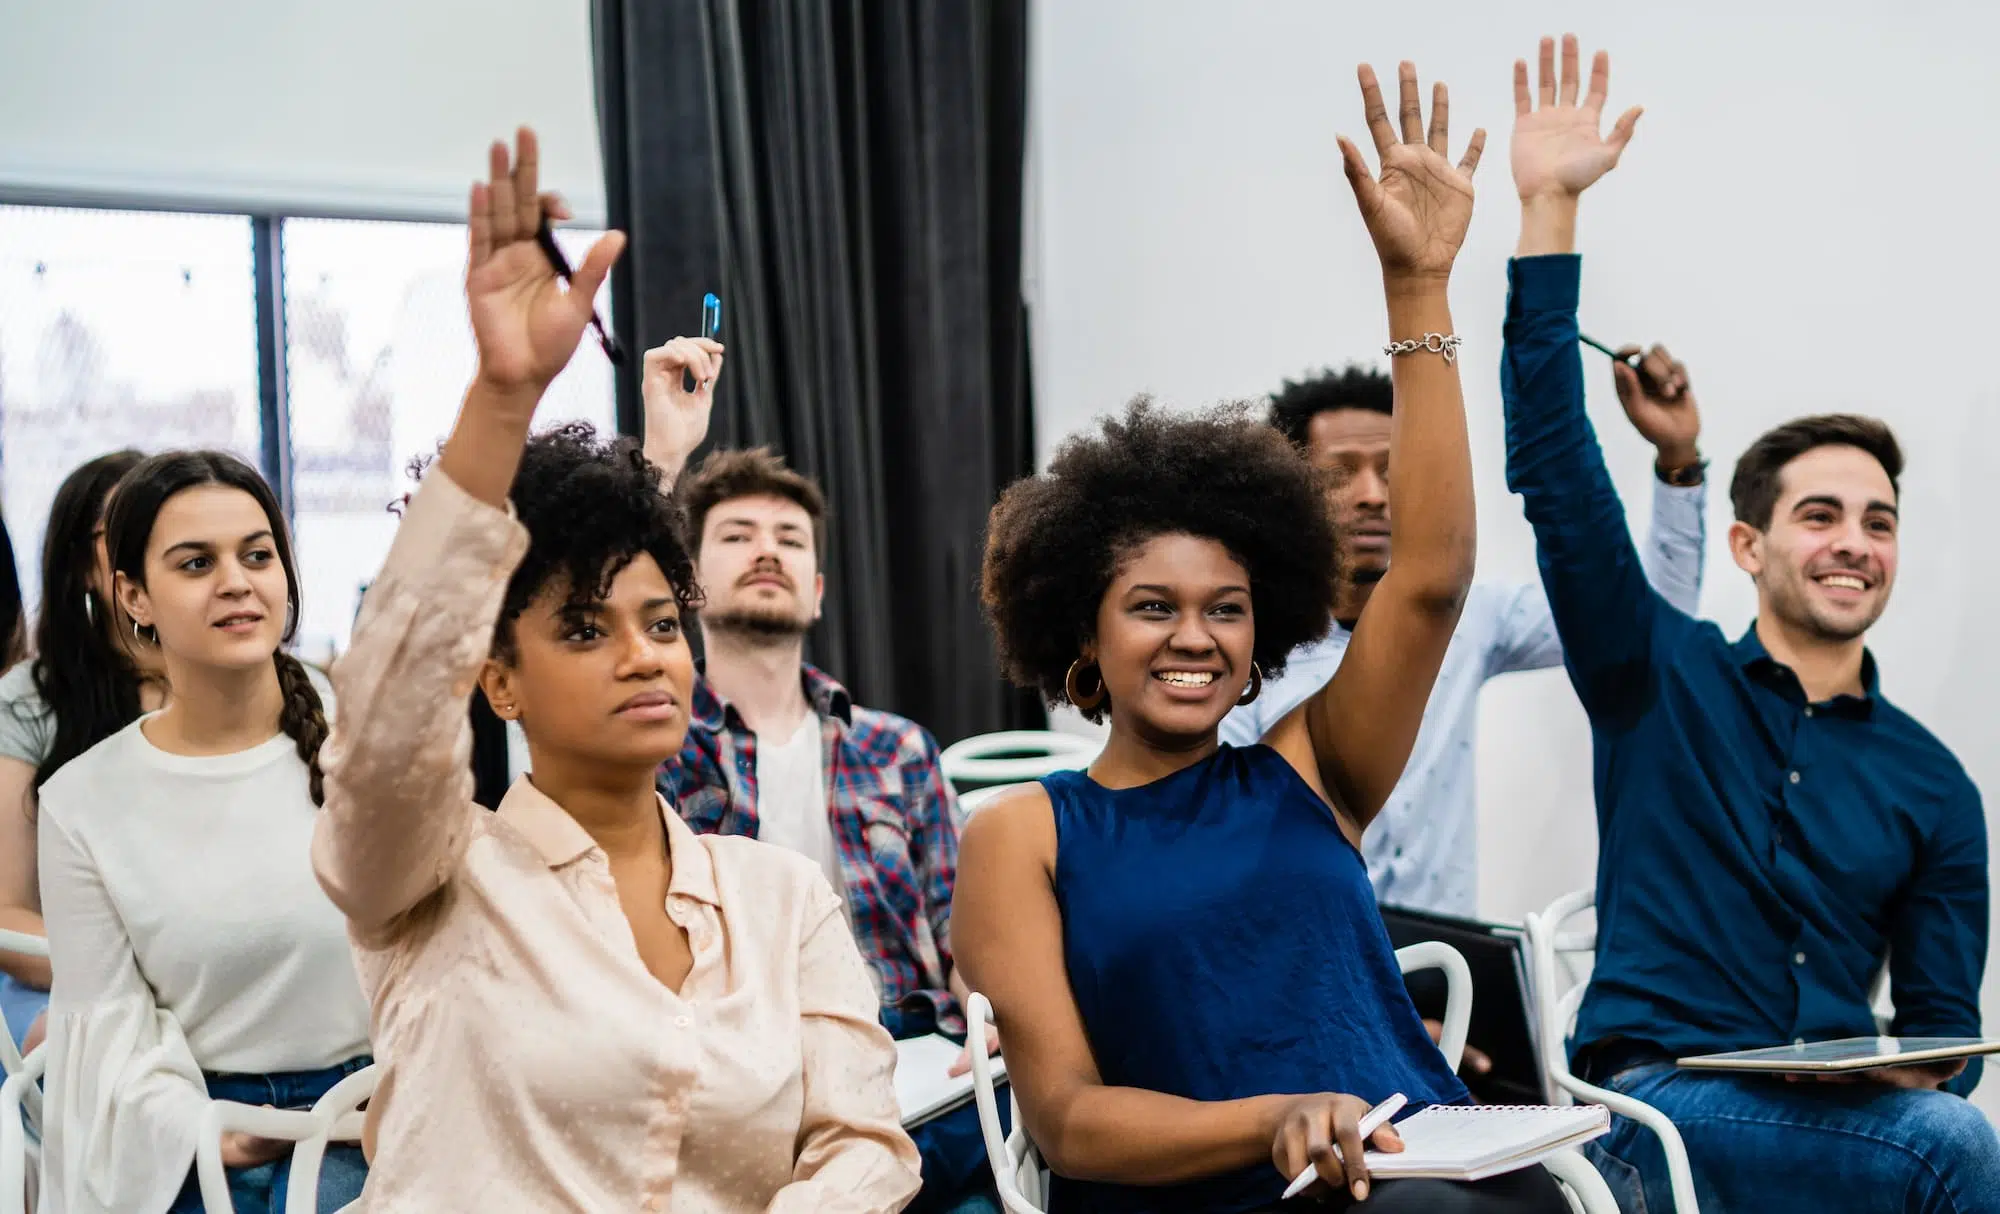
x,y
1022,1180
335,1117
20,1156
1557,996
20,1136
1014,755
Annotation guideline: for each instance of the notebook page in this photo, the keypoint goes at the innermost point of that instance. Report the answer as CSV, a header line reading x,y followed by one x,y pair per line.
x,y
1454,1140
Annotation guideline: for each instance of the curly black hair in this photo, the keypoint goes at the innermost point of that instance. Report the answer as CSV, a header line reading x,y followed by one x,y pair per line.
x,y
1354,386
1054,542
590,505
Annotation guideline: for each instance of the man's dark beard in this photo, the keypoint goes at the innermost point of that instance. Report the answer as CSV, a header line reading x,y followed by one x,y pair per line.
x,y
1369,576
757,625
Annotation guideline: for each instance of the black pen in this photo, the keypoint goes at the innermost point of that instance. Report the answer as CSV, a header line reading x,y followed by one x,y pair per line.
x,y
1631,360
546,237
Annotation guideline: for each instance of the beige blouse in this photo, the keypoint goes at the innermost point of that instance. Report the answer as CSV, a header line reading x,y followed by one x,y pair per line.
x,y
529,1060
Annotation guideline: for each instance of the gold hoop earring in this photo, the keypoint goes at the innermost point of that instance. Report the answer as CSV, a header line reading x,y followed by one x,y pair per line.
x,y
1256,687
1071,688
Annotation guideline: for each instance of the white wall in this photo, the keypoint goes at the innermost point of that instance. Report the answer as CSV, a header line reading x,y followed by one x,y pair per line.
x,y
1805,217
371,106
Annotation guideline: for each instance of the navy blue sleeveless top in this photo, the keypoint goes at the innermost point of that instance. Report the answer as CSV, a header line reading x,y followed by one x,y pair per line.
x,y
1223,942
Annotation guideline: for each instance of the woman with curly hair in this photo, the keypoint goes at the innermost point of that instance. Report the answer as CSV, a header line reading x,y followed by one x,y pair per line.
x,y
580,1004
1180,944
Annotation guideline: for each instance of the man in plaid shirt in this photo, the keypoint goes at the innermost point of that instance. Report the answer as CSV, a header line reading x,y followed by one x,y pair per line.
x,y
778,750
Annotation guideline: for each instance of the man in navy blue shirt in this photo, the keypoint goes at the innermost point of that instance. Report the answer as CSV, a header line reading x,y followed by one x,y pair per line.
x,y
1771,828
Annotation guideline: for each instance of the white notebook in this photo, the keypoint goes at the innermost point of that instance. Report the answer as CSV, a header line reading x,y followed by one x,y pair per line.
x,y
923,1089
1472,1142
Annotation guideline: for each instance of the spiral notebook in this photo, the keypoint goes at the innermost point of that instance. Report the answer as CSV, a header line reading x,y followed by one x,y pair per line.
x,y
1472,1142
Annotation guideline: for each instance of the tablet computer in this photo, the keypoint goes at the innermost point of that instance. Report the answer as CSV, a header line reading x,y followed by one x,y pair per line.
x,y
1846,1054
1497,957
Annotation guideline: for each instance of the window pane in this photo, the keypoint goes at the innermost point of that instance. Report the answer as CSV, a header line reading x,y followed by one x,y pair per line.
x,y
378,353
118,329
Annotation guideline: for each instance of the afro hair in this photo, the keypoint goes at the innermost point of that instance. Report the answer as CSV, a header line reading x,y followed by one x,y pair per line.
x,y
591,505
1054,542
1354,386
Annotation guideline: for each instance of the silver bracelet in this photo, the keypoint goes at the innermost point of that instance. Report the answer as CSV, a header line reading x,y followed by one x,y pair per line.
x,y
1437,343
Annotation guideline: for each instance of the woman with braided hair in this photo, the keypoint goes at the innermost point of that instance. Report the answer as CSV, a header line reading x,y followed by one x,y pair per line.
x,y
194,955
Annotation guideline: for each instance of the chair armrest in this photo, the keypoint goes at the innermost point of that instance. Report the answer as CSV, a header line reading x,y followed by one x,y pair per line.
x,y
1004,1164
227,1116
14,1133
1678,1169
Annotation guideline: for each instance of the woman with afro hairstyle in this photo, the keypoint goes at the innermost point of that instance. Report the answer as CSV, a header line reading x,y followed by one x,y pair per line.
x,y
580,1004
1196,994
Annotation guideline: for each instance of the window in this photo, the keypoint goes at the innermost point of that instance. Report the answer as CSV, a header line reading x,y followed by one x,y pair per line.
x,y
140,329
377,355
117,329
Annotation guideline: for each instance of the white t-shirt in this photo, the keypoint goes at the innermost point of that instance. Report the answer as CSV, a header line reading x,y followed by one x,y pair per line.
x,y
186,933
791,797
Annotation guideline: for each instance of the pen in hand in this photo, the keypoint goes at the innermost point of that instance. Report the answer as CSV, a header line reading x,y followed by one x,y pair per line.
x,y
1371,1121
1635,359
546,238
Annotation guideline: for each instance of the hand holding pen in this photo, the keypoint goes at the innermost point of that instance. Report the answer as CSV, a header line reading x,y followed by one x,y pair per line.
x,y
1325,1137
1654,391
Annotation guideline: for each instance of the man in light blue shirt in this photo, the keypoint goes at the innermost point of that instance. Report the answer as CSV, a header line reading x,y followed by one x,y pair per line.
x,y
1422,850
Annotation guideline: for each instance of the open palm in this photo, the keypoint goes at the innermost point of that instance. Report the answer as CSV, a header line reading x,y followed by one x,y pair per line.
x,y
525,321
1557,150
1418,209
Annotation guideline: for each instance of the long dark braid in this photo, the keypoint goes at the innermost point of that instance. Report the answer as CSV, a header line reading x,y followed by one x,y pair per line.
x,y
302,718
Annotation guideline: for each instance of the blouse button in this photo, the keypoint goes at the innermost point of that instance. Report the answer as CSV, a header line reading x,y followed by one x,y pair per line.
x,y
681,1022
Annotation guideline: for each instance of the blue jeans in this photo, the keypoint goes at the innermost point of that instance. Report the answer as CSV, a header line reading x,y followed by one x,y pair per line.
x,y
19,1005
1759,1143
957,1177
261,1189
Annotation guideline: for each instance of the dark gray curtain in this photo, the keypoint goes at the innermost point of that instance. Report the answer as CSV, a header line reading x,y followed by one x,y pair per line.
x,y
847,176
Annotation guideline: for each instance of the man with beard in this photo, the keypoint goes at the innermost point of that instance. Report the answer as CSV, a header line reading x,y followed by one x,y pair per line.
x,y
1770,826
777,750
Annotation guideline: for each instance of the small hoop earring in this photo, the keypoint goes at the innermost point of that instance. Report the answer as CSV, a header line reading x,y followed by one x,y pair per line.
x,y
140,637
1256,687
1072,689
90,606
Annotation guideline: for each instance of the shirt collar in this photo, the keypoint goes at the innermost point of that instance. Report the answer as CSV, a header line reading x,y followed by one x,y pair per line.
x,y
1752,657
827,697
559,839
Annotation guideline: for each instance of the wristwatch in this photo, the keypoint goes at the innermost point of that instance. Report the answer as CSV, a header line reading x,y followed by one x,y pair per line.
x,y
1685,476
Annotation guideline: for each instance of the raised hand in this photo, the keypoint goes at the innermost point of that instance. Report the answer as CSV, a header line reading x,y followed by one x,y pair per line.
x,y
1557,151
1659,403
525,321
1418,209
677,419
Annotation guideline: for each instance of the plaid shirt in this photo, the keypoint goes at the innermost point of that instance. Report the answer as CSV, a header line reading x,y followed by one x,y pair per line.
x,y
895,825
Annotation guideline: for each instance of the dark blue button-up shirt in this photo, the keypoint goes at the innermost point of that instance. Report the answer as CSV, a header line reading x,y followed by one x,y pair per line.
x,y
1757,854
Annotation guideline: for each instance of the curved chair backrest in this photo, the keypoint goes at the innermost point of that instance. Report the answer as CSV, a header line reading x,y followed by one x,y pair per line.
x,y
1014,755
1555,945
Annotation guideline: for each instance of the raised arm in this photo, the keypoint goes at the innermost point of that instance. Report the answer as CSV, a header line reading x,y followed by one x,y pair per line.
x,y
398,782
1660,405
1606,615
677,418
1355,735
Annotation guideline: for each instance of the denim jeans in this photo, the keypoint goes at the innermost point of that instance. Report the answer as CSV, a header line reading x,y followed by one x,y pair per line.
x,y
1758,1143
957,1177
261,1189
19,1005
